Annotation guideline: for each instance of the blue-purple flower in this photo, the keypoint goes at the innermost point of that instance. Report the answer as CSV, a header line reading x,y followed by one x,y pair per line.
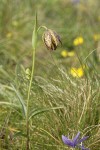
x,y
76,142
75,1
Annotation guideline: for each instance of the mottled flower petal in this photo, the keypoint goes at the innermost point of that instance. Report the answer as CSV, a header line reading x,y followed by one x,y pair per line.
x,y
51,39
47,39
67,141
76,138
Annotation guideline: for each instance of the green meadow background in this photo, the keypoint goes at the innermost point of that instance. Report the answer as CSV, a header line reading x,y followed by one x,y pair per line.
x,y
56,82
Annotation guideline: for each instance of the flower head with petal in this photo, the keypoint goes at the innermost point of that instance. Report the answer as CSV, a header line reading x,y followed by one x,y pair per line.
x,y
75,142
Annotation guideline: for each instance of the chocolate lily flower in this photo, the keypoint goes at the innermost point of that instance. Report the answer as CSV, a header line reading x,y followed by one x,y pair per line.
x,y
51,39
75,142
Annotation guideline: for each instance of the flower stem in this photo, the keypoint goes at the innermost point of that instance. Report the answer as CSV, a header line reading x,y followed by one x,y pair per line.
x,y
28,97
44,27
34,42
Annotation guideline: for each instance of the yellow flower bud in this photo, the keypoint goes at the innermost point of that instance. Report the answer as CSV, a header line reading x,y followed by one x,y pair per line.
x,y
71,53
77,72
64,53
78,41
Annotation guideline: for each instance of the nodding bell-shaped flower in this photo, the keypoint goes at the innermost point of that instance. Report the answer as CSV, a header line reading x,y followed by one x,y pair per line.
x,y
51,39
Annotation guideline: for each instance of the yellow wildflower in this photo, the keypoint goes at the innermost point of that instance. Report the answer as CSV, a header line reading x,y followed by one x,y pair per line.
x,y
78,41
71,53
96,37
64,53
9,35
15,23
77,72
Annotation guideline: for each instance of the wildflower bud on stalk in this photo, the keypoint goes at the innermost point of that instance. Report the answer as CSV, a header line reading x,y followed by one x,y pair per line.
x,y
51,39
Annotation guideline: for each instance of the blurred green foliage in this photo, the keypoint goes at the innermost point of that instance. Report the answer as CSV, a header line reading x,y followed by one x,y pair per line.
x,y
53,84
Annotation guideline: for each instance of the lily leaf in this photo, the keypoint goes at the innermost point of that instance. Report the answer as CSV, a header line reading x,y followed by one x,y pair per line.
x,y
20,100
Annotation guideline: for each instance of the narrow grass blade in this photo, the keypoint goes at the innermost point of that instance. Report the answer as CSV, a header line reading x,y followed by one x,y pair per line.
x,y
20,133
37,111
9,104
20,100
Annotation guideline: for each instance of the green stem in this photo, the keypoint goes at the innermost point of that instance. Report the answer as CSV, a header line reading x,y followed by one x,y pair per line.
x,y
44,27
30,84
34,42
28,97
